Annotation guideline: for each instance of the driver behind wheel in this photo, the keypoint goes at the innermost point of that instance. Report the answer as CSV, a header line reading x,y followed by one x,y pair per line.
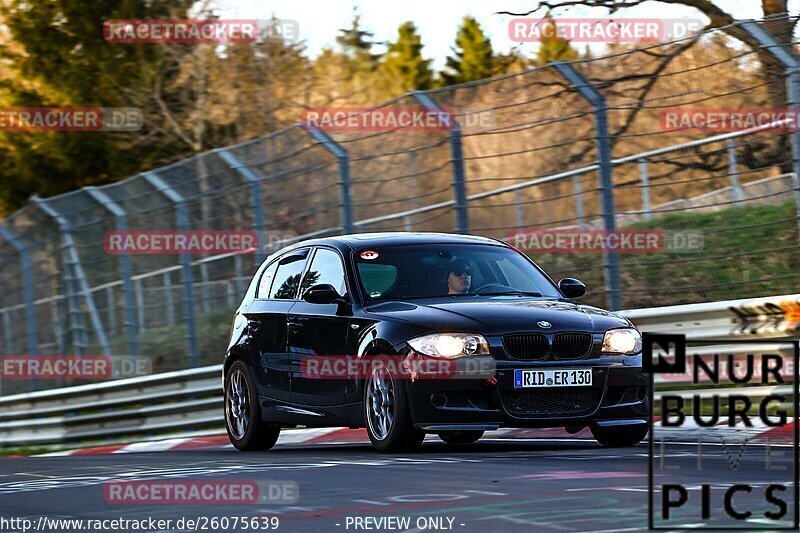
x,y
459,277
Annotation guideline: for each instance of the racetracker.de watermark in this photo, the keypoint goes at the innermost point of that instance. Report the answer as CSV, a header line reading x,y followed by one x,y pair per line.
x,y
412,367
601,30
84,367
728,120
408,118
200,492
71,119
598,241
200,31
180,242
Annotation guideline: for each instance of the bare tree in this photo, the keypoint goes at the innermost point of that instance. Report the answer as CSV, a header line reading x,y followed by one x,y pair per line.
x,y
776,20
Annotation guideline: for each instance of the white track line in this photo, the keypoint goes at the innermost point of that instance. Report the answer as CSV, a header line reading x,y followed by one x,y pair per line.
x,y
152,446
297,436
56,454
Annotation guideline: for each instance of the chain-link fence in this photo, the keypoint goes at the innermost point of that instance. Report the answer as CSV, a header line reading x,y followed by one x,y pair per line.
x,y
574,148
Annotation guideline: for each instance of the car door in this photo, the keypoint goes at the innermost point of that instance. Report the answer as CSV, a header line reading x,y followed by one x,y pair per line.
x,y
267,319
320,331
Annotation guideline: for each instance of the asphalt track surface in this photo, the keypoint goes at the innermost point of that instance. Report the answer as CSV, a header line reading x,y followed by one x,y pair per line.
x,y
494,485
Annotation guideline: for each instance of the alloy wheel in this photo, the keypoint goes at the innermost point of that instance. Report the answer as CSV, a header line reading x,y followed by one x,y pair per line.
x,y
380,402
237,404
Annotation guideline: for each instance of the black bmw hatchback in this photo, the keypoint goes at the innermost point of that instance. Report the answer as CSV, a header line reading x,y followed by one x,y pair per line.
x,y
413,333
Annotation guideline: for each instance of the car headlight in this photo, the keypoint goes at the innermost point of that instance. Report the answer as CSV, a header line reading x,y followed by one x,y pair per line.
x,y
450,345
622,341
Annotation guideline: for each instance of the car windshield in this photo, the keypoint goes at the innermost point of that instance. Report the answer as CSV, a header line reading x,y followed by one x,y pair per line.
x,y
404,272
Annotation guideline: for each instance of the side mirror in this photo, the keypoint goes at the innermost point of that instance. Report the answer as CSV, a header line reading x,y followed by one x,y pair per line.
x,y
572,288
323,293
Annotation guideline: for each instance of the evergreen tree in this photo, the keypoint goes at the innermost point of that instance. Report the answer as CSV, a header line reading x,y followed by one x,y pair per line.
x,y
193,97
551,46
356,43
54,55
354,67
472,57
402,67
510,62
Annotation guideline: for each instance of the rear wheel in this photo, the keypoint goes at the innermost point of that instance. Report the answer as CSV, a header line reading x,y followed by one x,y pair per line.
x,y
386,411
619,436
460,437
246,431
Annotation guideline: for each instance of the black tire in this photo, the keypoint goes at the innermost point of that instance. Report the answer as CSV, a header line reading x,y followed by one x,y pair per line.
x,y
619,436
249,433
398,434
460,437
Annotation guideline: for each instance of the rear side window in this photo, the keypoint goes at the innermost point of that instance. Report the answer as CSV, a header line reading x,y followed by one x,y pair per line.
x,y
287,276
266,280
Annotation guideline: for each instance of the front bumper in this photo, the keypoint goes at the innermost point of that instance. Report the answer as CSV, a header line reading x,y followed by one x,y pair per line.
x,y
618,395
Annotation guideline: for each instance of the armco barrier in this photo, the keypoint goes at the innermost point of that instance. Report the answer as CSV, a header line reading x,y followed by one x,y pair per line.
x,y
191,400
752,318
169,402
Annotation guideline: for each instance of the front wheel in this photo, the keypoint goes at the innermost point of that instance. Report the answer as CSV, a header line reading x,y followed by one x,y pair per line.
x,y
460,437
619,436
388,417
246,431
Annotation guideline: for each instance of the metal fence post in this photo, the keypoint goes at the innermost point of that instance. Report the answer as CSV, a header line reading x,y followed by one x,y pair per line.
x,y
792,65
125,268
75,278
7,337
139,290
27,287
578,186
182,221
519,211
58,332
75,325
256,197
457,159
230,295
237,268
111,312
168,298
733,170
205,290
603,144
645,177
343,161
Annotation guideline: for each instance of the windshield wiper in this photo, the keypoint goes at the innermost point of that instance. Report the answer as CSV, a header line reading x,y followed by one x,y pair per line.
x,y
510,293
431,296
426,297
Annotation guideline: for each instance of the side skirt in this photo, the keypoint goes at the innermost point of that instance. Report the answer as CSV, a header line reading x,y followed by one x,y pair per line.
x,y
282,412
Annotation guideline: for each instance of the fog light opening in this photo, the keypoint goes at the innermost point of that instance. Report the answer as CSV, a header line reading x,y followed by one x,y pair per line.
x,y
633,395
641,394
439,399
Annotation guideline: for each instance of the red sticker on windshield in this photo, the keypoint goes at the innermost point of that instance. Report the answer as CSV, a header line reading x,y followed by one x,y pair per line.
x,y
369,254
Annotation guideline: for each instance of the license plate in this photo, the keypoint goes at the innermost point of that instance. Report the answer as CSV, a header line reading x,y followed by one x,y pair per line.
x,y
557,377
